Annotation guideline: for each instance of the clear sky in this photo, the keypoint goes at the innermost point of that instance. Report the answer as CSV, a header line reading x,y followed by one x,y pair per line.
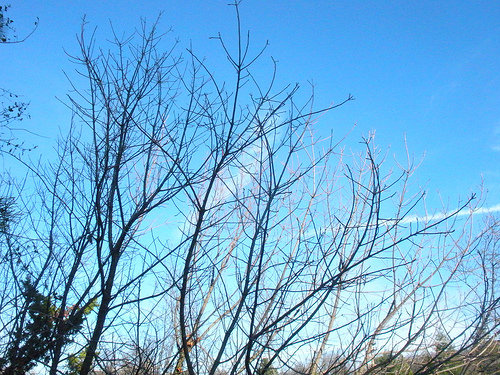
x,y
429,70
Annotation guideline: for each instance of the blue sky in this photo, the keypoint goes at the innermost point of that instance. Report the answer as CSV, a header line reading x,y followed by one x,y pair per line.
x,y
427,70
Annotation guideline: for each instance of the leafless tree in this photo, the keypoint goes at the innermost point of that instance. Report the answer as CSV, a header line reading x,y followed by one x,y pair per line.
x,y
211,229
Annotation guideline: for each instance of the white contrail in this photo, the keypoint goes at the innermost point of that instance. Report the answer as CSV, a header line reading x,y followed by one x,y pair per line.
x,y
440,216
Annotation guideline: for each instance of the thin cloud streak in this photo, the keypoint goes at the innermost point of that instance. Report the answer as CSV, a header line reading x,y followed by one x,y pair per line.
x,y
440,216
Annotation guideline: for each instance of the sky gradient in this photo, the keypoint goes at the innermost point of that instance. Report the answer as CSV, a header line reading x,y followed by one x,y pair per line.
x,y
425,70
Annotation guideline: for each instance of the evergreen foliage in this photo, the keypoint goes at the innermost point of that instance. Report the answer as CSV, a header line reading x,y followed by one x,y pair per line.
x,y
32,340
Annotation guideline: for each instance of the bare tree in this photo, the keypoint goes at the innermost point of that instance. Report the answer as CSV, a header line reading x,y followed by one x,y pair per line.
x,y
210,229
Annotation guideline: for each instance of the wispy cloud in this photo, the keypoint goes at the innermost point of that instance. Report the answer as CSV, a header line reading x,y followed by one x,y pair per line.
x,y
442,215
